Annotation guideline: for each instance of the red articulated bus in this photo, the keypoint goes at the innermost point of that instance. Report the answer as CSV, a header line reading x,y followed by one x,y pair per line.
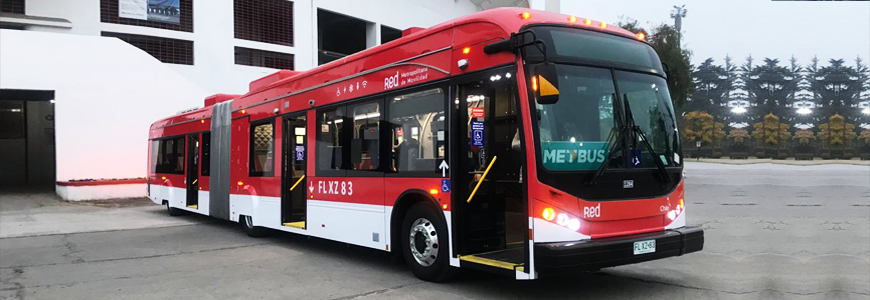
x,y
514,141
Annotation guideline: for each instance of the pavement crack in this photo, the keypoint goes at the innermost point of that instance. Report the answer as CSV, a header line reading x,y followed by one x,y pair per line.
x,y
80,261
16,286
376,292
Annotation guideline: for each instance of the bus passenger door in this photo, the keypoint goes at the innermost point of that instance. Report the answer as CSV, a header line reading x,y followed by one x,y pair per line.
x,y
294,151
493,222
192,178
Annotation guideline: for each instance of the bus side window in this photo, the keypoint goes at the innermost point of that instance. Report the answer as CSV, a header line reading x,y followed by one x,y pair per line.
x,y
364,152
206,153
418,126
263,149
330,139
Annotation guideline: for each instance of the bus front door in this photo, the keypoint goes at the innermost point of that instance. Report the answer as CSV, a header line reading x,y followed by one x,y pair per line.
x,y
492,219
295,151
192,179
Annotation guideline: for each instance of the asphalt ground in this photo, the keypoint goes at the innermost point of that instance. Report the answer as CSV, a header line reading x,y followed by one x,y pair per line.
x,y
772,232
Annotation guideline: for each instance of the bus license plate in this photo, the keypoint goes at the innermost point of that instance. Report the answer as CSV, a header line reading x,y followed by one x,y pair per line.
x,y
644,247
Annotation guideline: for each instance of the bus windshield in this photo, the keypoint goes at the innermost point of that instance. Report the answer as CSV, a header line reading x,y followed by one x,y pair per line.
x,y
574,133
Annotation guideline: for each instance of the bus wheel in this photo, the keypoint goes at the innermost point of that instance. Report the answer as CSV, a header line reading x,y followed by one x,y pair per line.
x,y
174,211
252,231
424,242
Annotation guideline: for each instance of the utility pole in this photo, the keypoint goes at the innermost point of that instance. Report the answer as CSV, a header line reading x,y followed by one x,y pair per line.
x,y
678,14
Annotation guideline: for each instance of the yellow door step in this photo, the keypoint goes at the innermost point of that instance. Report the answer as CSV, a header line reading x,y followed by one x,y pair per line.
x,y
194,206
300,225
490,262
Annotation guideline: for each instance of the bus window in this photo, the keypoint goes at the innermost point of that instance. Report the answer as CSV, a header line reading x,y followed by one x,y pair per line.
x,y
329,139
206,153
170,156
364,145
418,131
262,150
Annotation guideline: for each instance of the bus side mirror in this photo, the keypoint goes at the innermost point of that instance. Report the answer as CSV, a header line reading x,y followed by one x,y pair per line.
x,y
545,84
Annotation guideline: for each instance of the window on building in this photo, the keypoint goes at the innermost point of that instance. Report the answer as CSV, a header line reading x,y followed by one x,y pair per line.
x,y
330,139
419,131
364,145
339,36
389,33
267,21
12,6
179,17
262,58
206,153
170,156
171,51
263,149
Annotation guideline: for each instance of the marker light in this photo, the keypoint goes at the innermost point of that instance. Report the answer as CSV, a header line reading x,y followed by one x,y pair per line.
x,y
562,219
433,192
163,178
526,15
202,121
641,36
603,25
681,204
572,19
574,224
240,183
548,214
535,83
588,22
466,50
243,111
443,206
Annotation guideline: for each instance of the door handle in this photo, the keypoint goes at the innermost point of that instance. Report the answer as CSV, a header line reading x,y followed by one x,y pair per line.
x,y
297,183
481,179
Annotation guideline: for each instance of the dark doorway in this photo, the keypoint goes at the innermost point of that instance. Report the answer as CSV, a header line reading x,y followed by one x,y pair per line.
x,y
294,148
27,151
193,171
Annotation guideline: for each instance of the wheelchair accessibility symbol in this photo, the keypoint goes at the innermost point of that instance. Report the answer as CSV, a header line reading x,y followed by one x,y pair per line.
x,y
445,185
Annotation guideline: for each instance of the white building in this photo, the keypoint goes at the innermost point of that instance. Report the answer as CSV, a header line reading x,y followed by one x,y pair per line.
x,y
81,80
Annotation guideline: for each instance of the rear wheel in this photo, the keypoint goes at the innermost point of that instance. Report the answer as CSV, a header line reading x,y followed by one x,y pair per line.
x,y
252,231
424,244
174,211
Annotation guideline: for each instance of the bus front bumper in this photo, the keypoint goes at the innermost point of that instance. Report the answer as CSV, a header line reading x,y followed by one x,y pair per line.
x,y
591,255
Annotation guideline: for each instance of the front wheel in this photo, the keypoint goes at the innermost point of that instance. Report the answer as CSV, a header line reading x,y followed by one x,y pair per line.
x,y
424,244
252,231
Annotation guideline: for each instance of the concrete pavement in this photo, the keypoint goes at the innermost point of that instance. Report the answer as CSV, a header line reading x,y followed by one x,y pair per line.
x,y
772,232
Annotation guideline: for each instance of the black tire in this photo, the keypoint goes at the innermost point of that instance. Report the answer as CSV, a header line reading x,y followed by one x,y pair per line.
x,y
423,218
252,231
175,212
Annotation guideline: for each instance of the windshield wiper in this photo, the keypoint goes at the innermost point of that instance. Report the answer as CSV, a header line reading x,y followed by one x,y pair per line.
x,y
613,140
636,130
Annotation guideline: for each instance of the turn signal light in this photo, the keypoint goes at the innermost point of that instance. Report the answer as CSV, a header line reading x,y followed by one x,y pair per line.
x,y
433,192
548,214
241,183
526,15
535,83
466,50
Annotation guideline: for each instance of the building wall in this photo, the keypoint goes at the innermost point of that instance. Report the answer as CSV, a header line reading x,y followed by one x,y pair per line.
x,y
214,68
107,94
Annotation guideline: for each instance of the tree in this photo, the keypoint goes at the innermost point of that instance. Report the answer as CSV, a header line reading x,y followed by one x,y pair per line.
x,y
666,42
700,126
771,134
837,133
837,87
712,85
771,86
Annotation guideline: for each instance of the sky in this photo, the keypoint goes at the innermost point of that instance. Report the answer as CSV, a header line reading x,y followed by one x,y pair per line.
x,y
763,28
